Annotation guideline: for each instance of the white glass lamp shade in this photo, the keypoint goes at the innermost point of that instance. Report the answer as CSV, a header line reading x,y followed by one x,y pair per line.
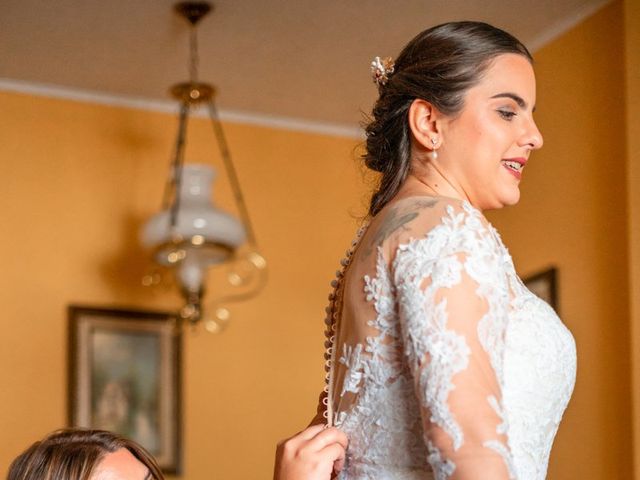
x,y
203,234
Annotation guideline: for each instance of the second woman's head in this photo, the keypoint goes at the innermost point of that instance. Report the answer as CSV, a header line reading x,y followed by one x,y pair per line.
x,y
78,454
467,91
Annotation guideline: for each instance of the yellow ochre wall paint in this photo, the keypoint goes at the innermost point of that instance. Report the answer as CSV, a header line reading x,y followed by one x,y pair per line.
x,y
78,180
632,58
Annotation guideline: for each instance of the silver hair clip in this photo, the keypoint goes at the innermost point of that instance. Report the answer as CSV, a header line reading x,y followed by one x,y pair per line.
x,y
381,70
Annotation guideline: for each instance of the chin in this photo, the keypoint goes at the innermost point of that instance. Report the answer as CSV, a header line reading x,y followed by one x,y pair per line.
x,y
510,198
503,199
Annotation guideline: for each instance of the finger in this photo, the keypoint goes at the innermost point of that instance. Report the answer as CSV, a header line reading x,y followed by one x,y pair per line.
x,y
340,437
333,434
333,453
309,433
301,437
327,437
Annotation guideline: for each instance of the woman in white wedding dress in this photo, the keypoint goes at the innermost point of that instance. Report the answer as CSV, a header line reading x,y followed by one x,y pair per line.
x,y
441,364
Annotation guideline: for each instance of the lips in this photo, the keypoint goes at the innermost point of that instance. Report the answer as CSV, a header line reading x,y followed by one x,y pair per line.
x,y
514,166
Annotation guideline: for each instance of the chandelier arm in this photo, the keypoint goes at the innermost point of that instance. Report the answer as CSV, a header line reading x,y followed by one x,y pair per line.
x,y
231,172
176,166
237,297
167,195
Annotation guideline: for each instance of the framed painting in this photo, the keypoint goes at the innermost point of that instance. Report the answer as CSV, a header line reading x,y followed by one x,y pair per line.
x,y
124,376
545,285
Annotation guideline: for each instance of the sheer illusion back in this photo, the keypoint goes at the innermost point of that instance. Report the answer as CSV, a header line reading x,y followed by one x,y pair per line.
x,y
445,365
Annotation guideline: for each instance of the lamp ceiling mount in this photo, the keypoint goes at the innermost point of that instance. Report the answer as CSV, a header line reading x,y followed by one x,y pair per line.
x,y
193,12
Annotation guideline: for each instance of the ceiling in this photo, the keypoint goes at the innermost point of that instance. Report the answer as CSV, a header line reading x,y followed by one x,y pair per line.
x,y
303,60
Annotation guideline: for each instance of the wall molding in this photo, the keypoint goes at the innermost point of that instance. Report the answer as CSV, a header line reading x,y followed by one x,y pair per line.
x,y
170,107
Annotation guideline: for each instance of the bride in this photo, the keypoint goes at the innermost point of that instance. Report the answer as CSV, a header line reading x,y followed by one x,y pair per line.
x,y
441,364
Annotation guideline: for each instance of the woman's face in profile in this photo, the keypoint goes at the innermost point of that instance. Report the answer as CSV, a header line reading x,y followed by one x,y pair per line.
x,y
121,465
487,145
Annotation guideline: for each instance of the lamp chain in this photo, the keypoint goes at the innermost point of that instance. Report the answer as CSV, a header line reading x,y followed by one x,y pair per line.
x,y
231,171
193,55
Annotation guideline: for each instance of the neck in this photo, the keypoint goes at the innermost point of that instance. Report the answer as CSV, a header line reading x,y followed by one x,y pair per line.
x,y
428,179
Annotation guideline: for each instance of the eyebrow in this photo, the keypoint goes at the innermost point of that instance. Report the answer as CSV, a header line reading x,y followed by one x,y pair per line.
x,y
516,98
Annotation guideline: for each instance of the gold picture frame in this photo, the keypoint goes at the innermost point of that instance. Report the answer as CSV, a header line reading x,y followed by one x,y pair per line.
x,y
124,376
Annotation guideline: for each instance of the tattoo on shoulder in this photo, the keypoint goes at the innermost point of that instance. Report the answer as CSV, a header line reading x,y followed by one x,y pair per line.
x,y
425,203
395,220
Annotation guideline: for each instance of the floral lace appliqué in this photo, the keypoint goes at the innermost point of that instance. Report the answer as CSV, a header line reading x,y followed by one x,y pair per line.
x,y
352,359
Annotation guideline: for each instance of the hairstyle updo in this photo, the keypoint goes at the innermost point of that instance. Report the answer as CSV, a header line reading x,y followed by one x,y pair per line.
x,y
439,65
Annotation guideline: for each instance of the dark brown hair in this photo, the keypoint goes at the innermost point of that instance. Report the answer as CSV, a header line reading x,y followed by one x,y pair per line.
x,y
73,454
439,65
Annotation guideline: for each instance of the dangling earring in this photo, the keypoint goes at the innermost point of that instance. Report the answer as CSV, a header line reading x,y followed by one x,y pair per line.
x,y
433,154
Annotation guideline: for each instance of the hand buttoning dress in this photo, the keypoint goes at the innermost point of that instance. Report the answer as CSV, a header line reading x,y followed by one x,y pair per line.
x,y
444,365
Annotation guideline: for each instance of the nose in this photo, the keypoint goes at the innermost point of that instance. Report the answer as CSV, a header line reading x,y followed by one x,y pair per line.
x,y
532,137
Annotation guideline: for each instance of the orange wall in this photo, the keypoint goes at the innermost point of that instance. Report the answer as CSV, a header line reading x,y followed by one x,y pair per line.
x,y
632,57
77,181
573,214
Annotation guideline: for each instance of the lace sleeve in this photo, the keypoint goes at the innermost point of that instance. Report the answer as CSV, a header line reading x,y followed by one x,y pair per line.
x,y
452,307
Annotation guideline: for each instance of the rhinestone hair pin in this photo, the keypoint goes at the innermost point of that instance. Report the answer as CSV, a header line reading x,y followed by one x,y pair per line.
x,y
381,70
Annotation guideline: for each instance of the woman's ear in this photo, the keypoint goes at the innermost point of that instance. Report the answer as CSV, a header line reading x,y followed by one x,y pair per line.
x,y
424,122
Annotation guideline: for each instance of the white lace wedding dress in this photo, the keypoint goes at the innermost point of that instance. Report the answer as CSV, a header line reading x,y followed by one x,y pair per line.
x,y
444,365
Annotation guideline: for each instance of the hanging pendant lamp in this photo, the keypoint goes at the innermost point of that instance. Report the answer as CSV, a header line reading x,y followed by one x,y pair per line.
x,y
190,234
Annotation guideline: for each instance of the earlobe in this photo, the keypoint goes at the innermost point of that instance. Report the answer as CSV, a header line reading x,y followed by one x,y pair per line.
x,y
424,125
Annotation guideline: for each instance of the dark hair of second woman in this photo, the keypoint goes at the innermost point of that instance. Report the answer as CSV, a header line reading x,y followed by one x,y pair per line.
x,y
73,455
439,65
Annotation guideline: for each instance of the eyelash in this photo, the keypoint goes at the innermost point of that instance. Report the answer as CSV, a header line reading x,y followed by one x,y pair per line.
x,y
507,114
